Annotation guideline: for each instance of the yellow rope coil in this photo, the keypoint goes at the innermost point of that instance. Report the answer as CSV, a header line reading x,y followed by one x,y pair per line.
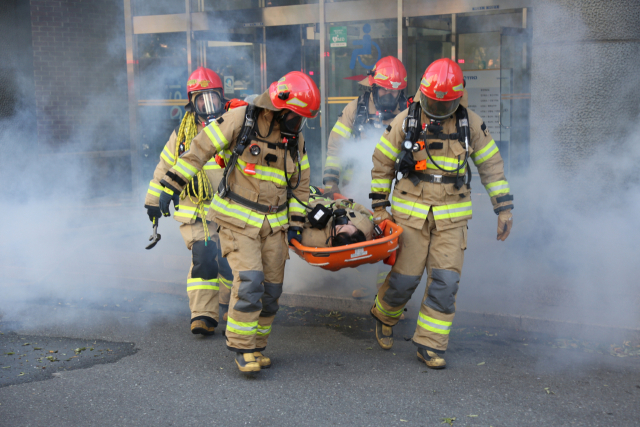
x,y
203,190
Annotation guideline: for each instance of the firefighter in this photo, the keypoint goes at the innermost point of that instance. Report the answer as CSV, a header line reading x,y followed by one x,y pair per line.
x,y
366,116
209,271
430,145
265,161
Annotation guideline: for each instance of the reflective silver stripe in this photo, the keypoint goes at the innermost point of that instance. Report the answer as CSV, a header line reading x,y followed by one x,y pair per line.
x,y
411,207
242,328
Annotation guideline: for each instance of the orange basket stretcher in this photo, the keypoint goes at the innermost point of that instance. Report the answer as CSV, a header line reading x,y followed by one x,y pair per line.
x,y
382,248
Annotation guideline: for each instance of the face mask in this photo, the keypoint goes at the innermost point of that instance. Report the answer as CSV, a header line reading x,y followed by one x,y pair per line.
x,y
208,105
291,122
387,102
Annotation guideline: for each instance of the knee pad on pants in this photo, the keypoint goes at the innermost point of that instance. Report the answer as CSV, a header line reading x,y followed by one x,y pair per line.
x,y
250,291
442,291
223,266
204,260
401,288
272,292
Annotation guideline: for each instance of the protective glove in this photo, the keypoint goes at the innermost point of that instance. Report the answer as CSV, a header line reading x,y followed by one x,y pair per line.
x,y
154,213
505,222
166,197
380,214
294,234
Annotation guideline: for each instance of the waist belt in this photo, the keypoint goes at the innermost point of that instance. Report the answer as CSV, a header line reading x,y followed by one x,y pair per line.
x,y
436,179
265,209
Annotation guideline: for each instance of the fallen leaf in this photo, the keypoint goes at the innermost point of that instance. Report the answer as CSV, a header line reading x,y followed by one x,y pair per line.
x,y
481,363
548,391
11,353
55,351
404,421
472,416
369,348
37,348
21,374
25,344
6,367
448,421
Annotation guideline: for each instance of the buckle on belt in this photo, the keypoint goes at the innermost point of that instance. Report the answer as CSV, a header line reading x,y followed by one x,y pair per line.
x,y
437,179
272,209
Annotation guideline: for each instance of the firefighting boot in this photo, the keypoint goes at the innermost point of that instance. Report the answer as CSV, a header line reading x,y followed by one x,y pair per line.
x,y
203,325
247,362
263,361
432,359
384,335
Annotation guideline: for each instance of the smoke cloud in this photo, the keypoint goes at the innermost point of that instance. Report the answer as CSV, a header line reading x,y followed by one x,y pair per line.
x,y
72,229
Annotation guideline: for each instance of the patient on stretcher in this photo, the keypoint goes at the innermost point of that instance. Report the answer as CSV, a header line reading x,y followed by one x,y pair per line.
x,y
353,226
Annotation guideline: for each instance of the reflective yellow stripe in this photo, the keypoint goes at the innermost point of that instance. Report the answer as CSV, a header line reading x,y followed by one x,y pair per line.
x,y
185,169
189,211
227,283
387,148
410,208
167,156
211,165
388,313
241,328
154,189
445,162
333,162
452,211
294,206
498,187
264,330
278,219
380,185
434,325
341,130
216,137
264,173
481,156
304,164
201,284
237,211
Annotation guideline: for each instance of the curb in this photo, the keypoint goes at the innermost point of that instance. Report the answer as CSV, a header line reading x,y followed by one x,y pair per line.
x,y
564,328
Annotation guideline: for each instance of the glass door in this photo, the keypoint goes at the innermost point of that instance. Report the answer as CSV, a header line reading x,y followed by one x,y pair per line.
x,y
515,97
427,38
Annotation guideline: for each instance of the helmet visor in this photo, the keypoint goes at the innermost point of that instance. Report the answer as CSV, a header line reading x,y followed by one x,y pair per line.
x,y
208,103
292,122
438,110
385,99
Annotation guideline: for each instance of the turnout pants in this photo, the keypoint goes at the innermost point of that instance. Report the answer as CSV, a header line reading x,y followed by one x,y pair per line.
x,y
442,254
207,271
258,272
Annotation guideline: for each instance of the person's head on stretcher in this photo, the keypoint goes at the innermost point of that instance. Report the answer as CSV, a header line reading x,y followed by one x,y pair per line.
x,y
347,234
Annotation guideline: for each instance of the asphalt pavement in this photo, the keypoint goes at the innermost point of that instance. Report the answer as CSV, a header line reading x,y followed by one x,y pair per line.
x,y
327,370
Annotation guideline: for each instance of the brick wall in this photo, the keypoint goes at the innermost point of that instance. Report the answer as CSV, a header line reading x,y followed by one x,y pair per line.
x,y
80,74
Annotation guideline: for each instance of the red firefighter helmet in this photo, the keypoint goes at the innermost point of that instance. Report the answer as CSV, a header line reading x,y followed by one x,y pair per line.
x,y
296,92
389,73
206,93
441,88
204,79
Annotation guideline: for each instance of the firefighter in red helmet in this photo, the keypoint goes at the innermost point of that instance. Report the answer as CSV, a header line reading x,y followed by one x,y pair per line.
x,y
260,202
430,145
209,278
365,117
